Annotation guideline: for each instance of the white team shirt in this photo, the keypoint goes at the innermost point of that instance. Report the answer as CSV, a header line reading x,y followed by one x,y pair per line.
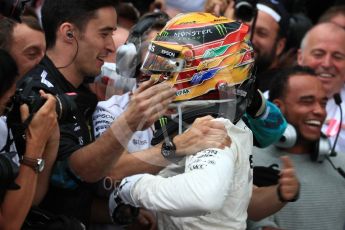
x,y
213,192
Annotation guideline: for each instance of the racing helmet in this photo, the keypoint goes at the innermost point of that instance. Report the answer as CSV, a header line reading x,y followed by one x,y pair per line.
x,y
204,57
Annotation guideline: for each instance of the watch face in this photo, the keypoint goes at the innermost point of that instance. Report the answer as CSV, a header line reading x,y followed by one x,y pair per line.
x,y
40,165
166,152
168,149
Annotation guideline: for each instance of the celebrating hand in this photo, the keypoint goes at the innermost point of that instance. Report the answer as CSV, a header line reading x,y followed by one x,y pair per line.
x,y
288,183
204,133
147,104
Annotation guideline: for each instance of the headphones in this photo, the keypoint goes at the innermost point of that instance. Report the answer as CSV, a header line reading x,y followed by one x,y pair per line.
x,y
321,149
69,34
128,56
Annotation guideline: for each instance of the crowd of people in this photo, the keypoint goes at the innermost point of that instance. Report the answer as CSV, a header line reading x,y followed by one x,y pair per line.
x,y
209,114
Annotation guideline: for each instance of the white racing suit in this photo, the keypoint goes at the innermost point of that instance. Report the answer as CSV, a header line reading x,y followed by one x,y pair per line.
x,y
212,192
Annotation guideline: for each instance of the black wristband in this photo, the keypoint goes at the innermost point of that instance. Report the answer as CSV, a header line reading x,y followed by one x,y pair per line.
x,y
282,199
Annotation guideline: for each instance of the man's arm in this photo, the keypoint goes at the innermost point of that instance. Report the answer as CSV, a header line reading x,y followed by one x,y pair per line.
x,y
17,203
207,180
265,120
204,133
49,156
265,200
205,183
147,104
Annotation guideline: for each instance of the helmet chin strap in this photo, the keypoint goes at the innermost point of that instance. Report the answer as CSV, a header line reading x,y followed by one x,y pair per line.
x,y
189,106
180,120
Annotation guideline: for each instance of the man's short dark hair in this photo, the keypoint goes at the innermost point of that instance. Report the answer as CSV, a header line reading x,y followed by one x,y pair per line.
x,y
8,71
77,12
32,22
280,80
7,27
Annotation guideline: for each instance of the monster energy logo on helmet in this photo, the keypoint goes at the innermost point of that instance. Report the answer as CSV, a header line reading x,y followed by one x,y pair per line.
x,y
221,29
198,35
164,33
163,121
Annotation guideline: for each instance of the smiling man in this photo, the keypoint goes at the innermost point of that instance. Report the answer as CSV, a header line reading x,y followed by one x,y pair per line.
x,y
78,36
323,49
321,204
302,102
269,38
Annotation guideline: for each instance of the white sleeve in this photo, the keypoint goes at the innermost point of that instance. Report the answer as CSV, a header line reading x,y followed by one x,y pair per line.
x,y
201,189
106,112
3,132
102,120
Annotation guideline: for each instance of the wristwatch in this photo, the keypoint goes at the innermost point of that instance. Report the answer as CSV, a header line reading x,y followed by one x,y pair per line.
x,y
169,151
36,164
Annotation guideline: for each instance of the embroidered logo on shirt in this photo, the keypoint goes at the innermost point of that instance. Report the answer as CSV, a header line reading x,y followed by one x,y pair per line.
x,y
81,141
44,80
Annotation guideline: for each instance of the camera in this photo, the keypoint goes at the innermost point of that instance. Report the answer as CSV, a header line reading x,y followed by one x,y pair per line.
x,y
64,103
12,8
28,93
8,173
245,10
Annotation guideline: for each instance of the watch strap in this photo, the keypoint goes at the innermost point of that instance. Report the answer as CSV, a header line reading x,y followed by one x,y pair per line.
x,y
31,162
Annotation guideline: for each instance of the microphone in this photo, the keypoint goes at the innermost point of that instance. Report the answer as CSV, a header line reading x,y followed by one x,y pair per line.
x,y
337,100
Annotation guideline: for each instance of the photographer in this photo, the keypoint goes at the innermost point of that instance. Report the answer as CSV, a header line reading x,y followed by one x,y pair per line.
x,y
42,138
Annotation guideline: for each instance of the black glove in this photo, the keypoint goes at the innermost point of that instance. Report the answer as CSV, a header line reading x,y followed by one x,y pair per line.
x,y
121,213
257,105
266,176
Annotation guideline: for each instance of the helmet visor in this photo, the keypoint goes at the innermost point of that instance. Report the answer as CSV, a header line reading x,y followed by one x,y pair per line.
x,y
162,59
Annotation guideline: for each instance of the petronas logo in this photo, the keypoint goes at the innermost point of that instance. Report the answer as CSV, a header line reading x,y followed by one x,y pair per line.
x,y
164,34
163,121
221,29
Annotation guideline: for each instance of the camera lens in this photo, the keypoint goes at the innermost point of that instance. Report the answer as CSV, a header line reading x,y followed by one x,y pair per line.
x,y
245,10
